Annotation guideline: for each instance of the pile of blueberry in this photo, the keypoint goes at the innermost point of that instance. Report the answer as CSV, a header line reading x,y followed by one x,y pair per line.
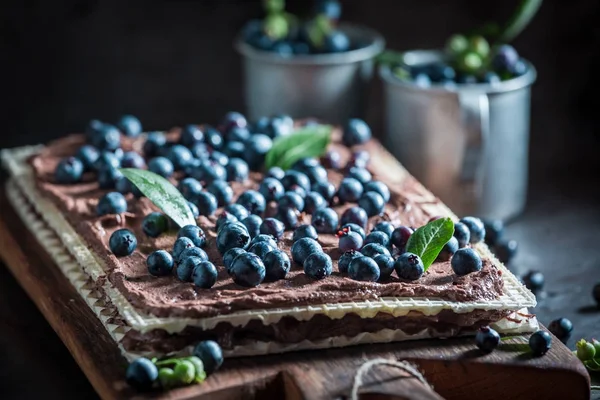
x,y
284,34
487,339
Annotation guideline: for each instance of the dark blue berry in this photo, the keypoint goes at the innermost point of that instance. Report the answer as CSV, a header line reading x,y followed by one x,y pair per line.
x,y
487,339
159,263
68,170
476,228
189,188
355,215
234,149
261,125
448,250
325,220
400,236
237,170
190,135
336,42
231,120
505,58
209,171
332,9
232,235
493,231
372,249
257,146
280,126
289,217
273,227
332,159
130,125
295,178
204,275
88,155
316,174
131,159
364,269
106,159
378,237
291,200
303,231
122,242
213,138
180,245
346,258
236,134
284,49
355,228
349,240
360,174
325,189
385,227
462,234
141,374
252,223
372,203
264,238
378,187
305,163
359,159
93,128
155,224
409,266
304,247
271,189
534,281
206,203
123,185
318,265
108,177
491,78
188,259
222,192
180,156
219,158
561,328
385,264
193,209
356,131
224,218
111,203
200,152
301,48
154,141
313,202
237,210
230,255
465,261
465,79
275,172
298,190
161,166
505,250
350,190
107,138
261,249
277,265
211,355
248,270
540,342
194,233
253,201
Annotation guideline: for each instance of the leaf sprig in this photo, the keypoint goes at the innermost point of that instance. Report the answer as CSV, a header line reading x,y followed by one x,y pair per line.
x,y
310,141
428,240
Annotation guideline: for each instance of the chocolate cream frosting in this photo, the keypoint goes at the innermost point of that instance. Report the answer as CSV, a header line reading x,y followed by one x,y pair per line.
x,y
410,204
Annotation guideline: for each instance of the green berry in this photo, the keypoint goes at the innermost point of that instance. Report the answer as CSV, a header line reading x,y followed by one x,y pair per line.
x,y
469,62
166,377
185,372
585,350
457,44
276,26
200,375
273,6
479,45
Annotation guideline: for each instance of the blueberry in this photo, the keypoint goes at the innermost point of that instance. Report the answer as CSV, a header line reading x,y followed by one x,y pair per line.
x,y
275,172
180,245
440,72
189,188
253,201
372,203
141,374
193,209
355,228
234,149
304,247
190,135
237,170
264,238
318,265
462,234
288,216
68,170
466,79
213,138
332,159
123,185
154,224
301,48
93,128
222,192
231,120
505,250
363,269
476,228
350,190
206,202
200,152
540,342
261,249
378,237
291,200
111,203
356,131
295,178
385,264
487,339
534,281
379,188
313,202
400,236
346,258
236,134
161,166
360,174
273,227
237,210
107,138
122,242
325,189
224,218
257,146
491,78
154,141
159,263
211,355
505,58
359,159
180,156
298,190
280,126
194,233
332,9
88,155
409,266
305,163
271,189
248,270
106,159
219,158
108,177
204,275
130,125
232,235
355,215
131,159
261,125
349,240
316,174
325,220
561,328
252,223
303,231
465,261
188,260
209,171
448,250
277,265
336,42
230,255
385,227
372,249
493,231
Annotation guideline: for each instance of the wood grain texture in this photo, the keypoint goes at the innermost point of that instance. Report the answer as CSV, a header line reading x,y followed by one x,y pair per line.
x,y
454,367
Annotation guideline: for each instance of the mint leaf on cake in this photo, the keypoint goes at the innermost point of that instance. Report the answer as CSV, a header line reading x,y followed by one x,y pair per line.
x,y
307,142
428,240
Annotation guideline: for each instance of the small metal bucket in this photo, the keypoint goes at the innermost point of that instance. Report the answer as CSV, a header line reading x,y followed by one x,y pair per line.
x,y
468,144
331,87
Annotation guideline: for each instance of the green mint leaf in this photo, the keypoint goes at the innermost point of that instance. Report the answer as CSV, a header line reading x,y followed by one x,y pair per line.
x,y
428,240
520,19
162,193
311,141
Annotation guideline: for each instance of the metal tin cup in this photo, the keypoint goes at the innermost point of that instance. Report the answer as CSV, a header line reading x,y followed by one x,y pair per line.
x,y
467,143
327,86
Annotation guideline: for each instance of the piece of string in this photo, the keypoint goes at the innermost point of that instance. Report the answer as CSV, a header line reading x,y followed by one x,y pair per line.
x,y
364,368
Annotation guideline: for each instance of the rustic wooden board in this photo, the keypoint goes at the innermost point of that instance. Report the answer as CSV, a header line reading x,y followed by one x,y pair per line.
x,y
454,367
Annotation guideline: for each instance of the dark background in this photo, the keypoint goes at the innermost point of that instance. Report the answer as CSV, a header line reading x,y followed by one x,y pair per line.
x,y
171,62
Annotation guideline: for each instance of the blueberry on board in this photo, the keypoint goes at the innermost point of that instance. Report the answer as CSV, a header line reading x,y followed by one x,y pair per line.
x,y
141,374
129,125
108,177
360,174
378,187
462,234
180,245
378,237
232,235
190,135
448,250
304,247
372,203
409,266
336,42
253,201
355,228
87,155
232,119
68,170
154,141
291,200
206,203
192,252
385,227
123,185
180,156
159,263
325,189
204,275
332,159
303,231
476,229
465,261
208,172
318,265
155,224
187,264
561,328
252,223
224,218
273,227
355,215
505,250
349,240
92,128
298,190
355,132
534,281
487,339
261,249
237,170
222,192
131,159
540,342
277,265
385,264
122,242
364,269
161,166
505,58
372,249
213,138
289,217
280,126
275,172
211,355
295,178
236,134
325,220
260,125
264,238
111,203
346,258
194,233
234,149
107,138
237,210
316,174
305,163
229,256
201,152
313,202
106,159
350,190
271,189
257,146
248,270
493,231
189,188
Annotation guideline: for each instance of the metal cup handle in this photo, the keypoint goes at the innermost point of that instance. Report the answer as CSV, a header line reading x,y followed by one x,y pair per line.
x,y
475,118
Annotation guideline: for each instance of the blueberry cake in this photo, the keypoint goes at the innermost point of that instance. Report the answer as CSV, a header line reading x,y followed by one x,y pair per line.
x,y
309,257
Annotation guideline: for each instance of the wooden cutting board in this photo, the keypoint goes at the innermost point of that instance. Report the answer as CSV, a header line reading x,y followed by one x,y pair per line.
x,y
454,367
